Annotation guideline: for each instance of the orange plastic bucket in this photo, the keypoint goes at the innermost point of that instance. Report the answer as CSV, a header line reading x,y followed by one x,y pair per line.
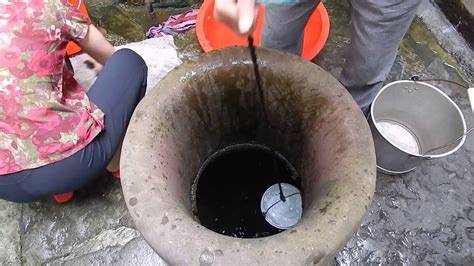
x,y
72,48
213,35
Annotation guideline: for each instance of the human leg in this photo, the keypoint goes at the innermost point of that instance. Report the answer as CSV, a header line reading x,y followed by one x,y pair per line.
x,y
283,26
378,27
117,91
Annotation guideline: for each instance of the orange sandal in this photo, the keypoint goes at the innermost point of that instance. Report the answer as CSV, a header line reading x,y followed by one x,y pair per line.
x,y
64,197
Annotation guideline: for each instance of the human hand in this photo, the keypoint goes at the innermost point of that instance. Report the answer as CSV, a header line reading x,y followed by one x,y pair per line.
x,y
93,65
240,16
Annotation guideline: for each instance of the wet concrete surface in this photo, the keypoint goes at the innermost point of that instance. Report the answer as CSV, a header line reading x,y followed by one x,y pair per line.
x,y
461,14
93,229
424,217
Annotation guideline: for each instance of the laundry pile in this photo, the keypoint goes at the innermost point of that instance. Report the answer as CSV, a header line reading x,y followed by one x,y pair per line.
x,y
175,24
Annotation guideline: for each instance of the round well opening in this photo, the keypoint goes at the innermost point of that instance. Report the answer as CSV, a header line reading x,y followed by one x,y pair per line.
x,y
210,104
226,194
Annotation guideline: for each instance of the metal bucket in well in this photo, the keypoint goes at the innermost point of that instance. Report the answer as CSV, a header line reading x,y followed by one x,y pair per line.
x,y
408,120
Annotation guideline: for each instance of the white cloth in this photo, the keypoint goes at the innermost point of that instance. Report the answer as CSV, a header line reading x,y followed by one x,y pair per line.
x,y
159,54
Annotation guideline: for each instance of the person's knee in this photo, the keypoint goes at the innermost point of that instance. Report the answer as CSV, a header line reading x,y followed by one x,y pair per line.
x,y
389,10
130,59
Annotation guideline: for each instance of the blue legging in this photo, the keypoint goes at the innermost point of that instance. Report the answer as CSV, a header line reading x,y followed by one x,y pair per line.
x,y
118,89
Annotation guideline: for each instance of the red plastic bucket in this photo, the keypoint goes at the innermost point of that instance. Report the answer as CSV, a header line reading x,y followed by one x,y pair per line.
x,y
213,35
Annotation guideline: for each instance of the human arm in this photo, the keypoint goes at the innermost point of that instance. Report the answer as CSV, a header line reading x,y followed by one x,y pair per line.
x,y
78,28
96,45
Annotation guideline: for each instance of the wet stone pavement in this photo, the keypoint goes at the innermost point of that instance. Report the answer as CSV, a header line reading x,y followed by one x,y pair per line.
x,y
424,217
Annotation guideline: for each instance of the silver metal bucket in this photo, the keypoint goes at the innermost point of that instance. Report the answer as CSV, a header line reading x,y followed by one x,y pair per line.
x,y
408,119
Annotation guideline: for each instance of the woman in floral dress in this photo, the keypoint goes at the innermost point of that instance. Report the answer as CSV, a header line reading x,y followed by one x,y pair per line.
x,y
54,136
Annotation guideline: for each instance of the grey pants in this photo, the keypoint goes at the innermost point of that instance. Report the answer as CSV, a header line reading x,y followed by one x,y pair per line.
x,y
378,27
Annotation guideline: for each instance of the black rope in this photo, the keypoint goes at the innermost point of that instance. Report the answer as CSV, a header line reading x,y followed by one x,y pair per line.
x,y
258,79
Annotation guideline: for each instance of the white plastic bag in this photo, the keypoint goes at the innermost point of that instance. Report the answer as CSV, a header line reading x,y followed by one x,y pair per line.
x,y
159,54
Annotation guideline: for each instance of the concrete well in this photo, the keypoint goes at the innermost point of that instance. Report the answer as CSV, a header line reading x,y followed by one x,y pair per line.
x,y
211,102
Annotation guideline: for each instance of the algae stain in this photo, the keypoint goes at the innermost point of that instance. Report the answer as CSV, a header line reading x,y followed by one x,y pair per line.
x,y
116,21
421,35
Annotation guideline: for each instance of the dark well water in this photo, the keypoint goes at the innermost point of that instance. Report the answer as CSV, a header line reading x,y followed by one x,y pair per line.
x,y
230,186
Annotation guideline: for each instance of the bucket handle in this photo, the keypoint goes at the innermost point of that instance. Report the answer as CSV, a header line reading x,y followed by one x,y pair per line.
x,y
470,93
470,90
428,157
